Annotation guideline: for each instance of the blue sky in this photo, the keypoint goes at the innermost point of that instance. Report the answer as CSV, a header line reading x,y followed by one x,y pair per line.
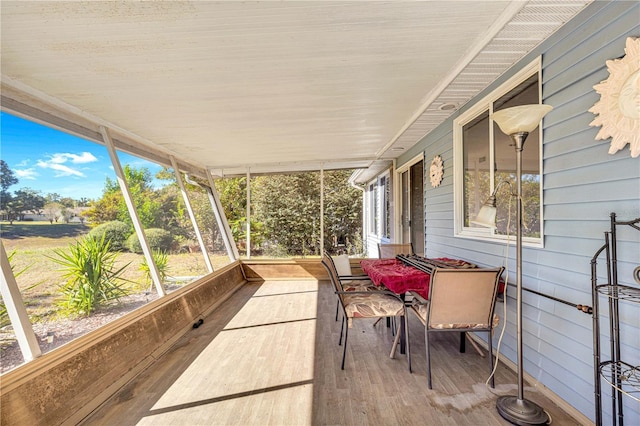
x,y
51,161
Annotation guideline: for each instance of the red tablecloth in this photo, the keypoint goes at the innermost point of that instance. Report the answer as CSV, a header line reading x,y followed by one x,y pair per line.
x,y
400,278
396,276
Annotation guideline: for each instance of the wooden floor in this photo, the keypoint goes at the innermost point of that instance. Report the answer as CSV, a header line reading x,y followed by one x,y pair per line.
x,y
269,356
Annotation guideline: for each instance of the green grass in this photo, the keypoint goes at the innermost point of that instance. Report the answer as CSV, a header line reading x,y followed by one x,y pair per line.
x,y
40,283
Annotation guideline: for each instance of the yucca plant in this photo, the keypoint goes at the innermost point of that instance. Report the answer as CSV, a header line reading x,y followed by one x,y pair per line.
x,y
161,260
92,278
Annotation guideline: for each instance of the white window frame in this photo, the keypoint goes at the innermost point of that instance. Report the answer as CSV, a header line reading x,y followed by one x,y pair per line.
x,y
386,210
376,197
478,108
372,189
397,191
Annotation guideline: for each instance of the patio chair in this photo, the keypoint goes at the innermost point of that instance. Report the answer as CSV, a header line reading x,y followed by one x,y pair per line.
x,y
365,304
348,281
391,250
459,300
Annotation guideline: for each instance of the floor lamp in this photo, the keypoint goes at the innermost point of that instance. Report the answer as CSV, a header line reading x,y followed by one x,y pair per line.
x,y
517,122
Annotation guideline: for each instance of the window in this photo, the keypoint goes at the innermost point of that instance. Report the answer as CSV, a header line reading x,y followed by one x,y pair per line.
x,y
380,207
288,223
385,184
373,208
485,157
60,197
342,214
285,218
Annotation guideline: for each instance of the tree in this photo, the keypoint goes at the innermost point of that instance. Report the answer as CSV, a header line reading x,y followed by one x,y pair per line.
x,y
285,217
111,205
52,197
233,197
342,213
7,179
104,209
68,202
66,214
26,200
288,206
53,211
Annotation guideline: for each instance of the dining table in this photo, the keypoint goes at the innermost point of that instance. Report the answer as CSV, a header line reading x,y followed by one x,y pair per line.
x,y
405,274
400,277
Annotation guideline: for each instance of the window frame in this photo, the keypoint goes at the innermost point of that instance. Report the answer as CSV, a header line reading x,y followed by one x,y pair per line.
x,y
480,107
398,194
380,200
372,190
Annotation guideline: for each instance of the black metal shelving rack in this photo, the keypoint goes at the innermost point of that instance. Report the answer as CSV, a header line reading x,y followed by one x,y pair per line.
x,y
623,377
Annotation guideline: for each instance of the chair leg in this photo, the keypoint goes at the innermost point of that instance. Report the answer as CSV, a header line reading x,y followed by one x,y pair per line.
x,y
390,323
426,344
337,307
493,384
406,338
341,330
463,346
344,350
395,345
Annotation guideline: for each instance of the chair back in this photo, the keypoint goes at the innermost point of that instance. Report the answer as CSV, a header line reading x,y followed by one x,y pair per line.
x,y
328,264
391,250
463,298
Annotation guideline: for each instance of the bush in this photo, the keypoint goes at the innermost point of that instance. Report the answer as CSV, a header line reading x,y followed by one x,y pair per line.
x,y
161,259
92,278
115,232
158,239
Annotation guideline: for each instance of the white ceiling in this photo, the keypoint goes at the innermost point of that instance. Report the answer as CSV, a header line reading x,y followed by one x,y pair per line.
x,y
263,86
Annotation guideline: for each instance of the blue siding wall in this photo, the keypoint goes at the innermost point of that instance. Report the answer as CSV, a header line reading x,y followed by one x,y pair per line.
x,y
583,184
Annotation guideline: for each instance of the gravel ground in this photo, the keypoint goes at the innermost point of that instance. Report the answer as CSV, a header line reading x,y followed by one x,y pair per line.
x,y
65,330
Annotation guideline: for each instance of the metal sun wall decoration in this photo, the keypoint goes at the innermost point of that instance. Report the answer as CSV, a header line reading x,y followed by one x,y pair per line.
x,y
618,110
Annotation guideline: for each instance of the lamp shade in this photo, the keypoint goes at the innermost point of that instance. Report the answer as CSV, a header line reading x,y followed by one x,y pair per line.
x,y
523,118
486,216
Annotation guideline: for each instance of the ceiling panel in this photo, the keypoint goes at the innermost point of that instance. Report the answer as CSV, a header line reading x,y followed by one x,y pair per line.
x,y
237,85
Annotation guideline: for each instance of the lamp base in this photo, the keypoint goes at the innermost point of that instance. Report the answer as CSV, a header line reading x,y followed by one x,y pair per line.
x,y
521,412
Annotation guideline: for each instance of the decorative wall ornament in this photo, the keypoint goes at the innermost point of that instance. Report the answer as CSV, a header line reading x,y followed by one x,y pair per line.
x,y
436,171
618,110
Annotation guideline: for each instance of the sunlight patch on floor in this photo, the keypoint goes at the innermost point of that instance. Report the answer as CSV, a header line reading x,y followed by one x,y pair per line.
x,y
260,367
286,406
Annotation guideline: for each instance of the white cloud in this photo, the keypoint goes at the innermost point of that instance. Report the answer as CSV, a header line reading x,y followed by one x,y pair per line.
x,y
29,174
63,157
61,169
57,162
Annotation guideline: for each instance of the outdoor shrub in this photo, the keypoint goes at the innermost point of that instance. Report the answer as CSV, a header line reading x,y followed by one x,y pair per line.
x,y
158,239
92,278
161,260
115,232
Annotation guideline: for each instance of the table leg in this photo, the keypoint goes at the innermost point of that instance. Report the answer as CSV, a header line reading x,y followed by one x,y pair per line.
x,y
403,340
